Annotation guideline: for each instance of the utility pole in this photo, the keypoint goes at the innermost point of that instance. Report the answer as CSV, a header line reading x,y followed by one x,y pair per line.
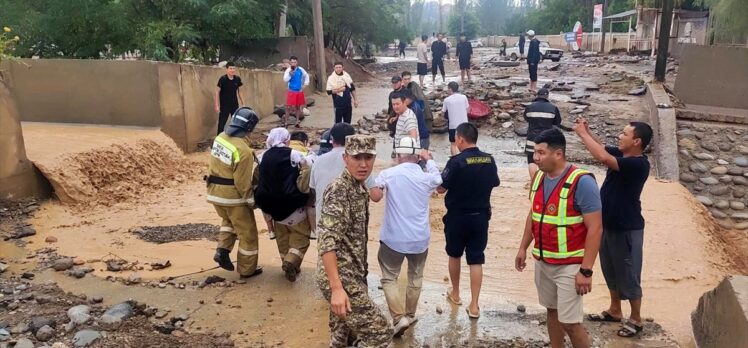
x,y
282,19
440,16
319,45
664,40
602,28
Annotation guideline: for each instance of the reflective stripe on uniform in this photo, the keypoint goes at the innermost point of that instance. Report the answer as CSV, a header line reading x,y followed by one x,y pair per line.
x,y
233,201
296,252
227,229
558,255
234,152
538,114
248,252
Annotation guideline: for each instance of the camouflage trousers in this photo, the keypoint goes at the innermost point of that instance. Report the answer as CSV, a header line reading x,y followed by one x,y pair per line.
x,y
365,321
239,223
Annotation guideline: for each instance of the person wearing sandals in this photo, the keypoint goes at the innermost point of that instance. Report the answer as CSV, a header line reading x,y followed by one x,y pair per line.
x,y
468,179
297,78
623,224
565,223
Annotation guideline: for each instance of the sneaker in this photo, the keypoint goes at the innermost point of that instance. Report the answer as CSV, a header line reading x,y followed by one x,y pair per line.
x,y
402,325
313,234
223,259
271,235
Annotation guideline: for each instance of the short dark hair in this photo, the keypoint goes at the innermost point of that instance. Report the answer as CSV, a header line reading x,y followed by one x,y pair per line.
x,y
300,136
424,37
294,58
453,86
642,131
339,131
230,64
398,95
337,63
554,138
468,131
406,73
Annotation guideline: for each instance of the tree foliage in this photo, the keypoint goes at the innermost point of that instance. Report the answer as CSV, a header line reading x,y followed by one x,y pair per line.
x,y
472,24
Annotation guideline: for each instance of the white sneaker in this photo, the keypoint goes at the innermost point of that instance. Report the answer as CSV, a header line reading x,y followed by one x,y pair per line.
x,y
271,235
313,234
402,325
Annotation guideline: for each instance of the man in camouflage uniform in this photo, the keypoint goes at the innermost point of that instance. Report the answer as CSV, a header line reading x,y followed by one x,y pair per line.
x,y
343,234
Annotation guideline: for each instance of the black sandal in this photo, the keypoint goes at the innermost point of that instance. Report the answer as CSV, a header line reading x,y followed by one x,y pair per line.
x,y
630,329
604,316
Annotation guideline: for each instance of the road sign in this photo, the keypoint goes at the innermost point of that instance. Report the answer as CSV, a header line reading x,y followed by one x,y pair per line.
x,y
597,17
570,37
577,43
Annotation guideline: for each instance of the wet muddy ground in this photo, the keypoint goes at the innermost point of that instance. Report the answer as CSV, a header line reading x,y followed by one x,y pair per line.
x,y
267,311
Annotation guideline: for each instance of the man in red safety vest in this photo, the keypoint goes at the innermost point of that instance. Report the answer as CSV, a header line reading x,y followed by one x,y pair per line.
x,y
565,222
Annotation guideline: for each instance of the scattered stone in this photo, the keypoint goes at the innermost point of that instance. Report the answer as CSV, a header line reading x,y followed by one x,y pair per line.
x,y
45,333
214,279
718,214
165,328
741,161
688,178
705,200
97,299
698,167
535,322
521,130
504,116
182,317
79,314
20,328
219,301
506,125
23,232
592,88
161,264
77,273
709,180
3,267
161,314
704,156
576,111
735,205
134,278
24,343
720,190
84,338
439,310
63,264
741,226
4,335
616,78
269,300
113,266
114,316
521,308
38,322
742,149
554,67
641,90
51,239
79,261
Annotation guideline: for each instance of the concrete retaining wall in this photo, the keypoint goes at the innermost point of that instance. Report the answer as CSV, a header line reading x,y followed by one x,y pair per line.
x,y
713,75
663,124
178,98
721,318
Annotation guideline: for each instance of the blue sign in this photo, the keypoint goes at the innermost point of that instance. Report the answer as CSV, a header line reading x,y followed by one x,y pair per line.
x,y
570,37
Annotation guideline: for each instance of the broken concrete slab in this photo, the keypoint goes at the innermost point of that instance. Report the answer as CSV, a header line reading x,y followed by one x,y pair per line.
x,y
721,317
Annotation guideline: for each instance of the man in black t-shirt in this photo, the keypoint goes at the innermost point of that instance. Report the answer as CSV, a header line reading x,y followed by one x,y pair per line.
x,y
468,179
464,53
623,224
227,98
438,51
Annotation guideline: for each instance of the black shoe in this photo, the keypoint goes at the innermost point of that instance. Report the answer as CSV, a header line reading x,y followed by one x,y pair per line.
x,y
257,271
223,259
291,271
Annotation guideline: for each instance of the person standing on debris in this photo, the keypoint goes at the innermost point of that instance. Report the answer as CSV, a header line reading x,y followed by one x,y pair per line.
x,y
343,238
438,51
405,232
533,59
468,179
283,192
402,45
521,45
297,78
329,166
540,116
230,191
340,87
623,224
565,221
455,109
422,67
227,98
502,51
464,54
406,123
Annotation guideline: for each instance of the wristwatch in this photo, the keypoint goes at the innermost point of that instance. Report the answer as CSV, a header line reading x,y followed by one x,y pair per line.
x,y
586,272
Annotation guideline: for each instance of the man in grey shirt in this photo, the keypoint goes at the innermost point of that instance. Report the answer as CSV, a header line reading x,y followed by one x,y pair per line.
x,y
328,166
423,59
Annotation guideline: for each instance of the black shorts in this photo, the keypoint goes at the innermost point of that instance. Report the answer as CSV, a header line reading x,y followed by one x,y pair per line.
x,y
437,63
533,68
467,233
422,69
530,160
452,135
621,262
465,64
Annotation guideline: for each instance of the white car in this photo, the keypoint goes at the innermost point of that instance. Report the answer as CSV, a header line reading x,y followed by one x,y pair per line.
x,y
546,51
476,43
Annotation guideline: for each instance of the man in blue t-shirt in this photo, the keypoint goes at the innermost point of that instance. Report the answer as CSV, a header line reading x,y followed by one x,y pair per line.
x,y
468,179
623,224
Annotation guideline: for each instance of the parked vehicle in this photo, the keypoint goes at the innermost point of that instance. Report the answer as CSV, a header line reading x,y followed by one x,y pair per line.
x,y
476,43
546,51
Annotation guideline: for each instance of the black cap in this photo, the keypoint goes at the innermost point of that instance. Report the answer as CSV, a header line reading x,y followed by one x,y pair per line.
x,y
396,79
543,93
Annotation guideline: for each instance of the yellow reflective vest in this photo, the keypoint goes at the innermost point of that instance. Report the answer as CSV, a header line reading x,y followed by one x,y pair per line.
x,y
231,158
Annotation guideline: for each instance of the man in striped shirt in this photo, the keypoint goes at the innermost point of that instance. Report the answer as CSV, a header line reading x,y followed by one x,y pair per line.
x,y
407,124
540,115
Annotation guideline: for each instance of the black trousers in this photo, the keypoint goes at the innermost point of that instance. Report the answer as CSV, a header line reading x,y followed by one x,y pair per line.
x,y
223,116
437,64
343,114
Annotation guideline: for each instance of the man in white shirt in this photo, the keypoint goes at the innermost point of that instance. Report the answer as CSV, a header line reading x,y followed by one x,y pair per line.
x,y
329,166
455,109
406,229
422,68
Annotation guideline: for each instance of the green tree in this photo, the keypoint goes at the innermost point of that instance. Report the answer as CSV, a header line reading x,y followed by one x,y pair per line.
x,y
472,24
729,22
492,15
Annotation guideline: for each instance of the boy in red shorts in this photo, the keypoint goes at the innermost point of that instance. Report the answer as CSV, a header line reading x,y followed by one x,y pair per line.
x,y
297,78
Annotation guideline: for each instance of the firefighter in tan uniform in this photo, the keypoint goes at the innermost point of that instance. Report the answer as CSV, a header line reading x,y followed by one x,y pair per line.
x,y
230,191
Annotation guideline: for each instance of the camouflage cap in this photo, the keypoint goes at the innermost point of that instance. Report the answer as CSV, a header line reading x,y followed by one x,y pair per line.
x,y
358,144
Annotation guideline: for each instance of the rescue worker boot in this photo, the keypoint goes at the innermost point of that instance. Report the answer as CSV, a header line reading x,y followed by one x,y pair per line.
x,y
223,259
291,271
